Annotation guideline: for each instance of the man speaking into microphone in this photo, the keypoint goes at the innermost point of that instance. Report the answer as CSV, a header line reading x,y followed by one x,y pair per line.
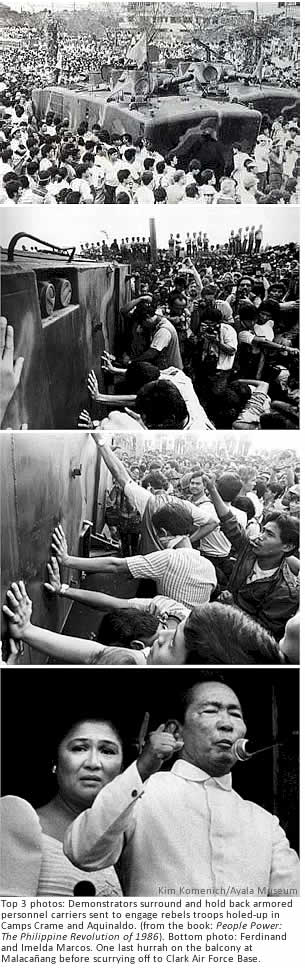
x,y
186,831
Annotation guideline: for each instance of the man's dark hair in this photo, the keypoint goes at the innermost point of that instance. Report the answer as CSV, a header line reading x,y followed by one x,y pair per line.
x,y
12,187
229,486
161,406
245,504
139,373
175,518
220,634
121,628
260,488
186,697
289,528
147,178
155,479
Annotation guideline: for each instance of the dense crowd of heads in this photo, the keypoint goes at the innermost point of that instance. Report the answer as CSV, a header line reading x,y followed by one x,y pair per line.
x,y
241,291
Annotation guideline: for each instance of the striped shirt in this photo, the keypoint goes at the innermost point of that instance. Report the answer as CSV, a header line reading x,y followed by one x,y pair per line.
x,y
182,574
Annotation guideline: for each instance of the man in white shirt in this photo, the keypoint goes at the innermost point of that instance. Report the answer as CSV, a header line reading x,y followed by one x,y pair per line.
x,y
212,541
186,830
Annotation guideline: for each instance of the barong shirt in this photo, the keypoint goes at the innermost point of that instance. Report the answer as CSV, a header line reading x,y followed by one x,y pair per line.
x,y
182,832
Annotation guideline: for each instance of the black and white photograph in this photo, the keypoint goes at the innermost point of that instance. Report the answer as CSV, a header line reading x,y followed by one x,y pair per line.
x,y
129,788
149,103
158,551
189,325
150,482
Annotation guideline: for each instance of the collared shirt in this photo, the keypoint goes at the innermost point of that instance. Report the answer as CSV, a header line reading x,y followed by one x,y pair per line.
x,y
182,831
182,574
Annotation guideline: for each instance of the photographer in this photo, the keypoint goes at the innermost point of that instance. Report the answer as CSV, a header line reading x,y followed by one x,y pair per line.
x,y
216,345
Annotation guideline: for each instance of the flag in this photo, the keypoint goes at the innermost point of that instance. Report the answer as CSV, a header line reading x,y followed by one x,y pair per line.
x,y
138,52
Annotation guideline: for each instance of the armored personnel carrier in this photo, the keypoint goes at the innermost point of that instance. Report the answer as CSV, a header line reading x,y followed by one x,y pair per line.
x,y
161,106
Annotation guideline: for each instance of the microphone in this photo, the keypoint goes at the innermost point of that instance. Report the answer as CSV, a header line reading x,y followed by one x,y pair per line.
x,y
83,888
245,749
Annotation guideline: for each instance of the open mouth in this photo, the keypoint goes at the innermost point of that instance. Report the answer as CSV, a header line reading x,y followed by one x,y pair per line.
x,y
225,744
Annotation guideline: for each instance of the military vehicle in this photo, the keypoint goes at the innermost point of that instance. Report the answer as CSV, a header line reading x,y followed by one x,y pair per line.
x,y
162,105
65,311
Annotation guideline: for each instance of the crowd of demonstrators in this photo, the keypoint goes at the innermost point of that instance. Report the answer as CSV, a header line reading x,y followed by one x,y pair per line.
x,y
213,546
45,161
209,339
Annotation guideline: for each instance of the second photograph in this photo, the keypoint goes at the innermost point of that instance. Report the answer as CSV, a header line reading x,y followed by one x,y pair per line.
x,y
188,322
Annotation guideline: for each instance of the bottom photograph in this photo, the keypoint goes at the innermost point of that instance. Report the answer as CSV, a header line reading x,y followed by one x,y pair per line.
x,y
178,782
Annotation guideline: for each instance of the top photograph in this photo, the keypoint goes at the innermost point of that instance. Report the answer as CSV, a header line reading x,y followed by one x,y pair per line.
x,y
149,103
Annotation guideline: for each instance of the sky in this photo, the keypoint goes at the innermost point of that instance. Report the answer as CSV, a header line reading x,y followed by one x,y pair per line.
x,y
93,223
33,5
283,440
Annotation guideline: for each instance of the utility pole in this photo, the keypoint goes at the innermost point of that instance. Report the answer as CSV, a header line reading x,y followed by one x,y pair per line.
x,y
153,240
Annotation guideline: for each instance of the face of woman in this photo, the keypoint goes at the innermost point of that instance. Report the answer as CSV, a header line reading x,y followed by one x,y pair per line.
x,y
89,757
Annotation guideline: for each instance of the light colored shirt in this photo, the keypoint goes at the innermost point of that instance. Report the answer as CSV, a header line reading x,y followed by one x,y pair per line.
x,y
182,829
216,543
198,419
182,574
165,340
228,337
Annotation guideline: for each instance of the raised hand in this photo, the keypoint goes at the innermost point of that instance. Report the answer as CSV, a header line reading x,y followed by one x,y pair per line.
x,y
160,746
18,610
54,583
84,420
59,545
10,372
93,385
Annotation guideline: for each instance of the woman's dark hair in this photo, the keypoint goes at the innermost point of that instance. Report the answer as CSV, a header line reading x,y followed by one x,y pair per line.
x,y
86,715
221,634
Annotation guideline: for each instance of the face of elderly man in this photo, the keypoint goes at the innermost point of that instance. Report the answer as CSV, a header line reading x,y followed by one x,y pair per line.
x,y
213,722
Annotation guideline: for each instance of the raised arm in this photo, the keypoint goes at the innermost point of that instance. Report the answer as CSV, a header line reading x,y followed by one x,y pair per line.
x,y
129,308
93,599
65,648
107,565
114,464
228,523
